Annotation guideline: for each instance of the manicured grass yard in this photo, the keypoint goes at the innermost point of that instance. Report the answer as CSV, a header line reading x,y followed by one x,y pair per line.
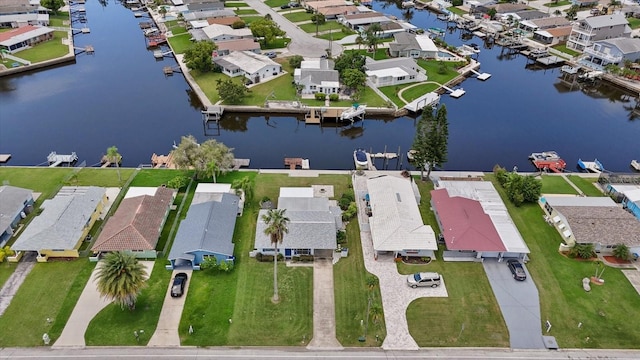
x,y
276,3
563,48
554,184
6,269
419,90
50,291
235,4
368,97
245,12
335,35
157,177
47,50
115,326
207,82
298,16
44,180
249,19
438,321
456,10
586,185
633,22
58,20
559,3
311,28
433,70
381,53
180,43
104,177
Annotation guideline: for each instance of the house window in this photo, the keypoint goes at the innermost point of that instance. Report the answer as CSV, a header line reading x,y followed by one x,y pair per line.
x,y
412,77
302,252
400,78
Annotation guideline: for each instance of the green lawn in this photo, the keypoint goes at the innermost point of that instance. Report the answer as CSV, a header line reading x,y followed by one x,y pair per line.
x,y
249,19
245,12
115,326
207,82
553,184
235,4
471,301
6,269
557,3
392,93
104,177
368,97
276,3
434,73
59,19
47,50
380,54
586,185
298,16
329,25
633,22
563,48
45,181
336,35
419,90
157,177
180,43
604,311
277,43
244,295
352,294
50,291
457,10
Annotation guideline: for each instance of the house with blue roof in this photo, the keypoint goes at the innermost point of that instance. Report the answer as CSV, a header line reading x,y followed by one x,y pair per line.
x,y
207,231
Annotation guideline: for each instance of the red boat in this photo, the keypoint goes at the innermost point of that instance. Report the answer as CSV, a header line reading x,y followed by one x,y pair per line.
x,y
548,161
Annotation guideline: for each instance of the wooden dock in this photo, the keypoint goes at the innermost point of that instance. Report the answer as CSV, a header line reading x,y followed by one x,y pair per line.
x,y
238,163
312,117
162,161
550,60
212,113
4,158
294,163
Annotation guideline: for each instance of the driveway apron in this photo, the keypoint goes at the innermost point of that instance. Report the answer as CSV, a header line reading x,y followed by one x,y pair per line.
x,y
324,309
88,306
519,303
166,333
11,286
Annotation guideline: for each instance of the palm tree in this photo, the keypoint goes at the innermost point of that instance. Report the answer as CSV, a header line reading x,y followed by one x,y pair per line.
x,y
114,157
121,278
244,185
276,228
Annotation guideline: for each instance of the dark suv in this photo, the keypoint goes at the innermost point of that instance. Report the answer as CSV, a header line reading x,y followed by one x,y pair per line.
x,y
177,288
517,270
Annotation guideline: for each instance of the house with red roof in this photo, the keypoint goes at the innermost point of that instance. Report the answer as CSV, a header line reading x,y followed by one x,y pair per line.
x,y
24,37
474,222
136,226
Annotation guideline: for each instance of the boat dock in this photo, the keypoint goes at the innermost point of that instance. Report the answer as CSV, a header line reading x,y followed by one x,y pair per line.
x,y
481,76
369,166
550,60
294,163
428,99
454,93
56,159
238,163
635,165
212,113
4,158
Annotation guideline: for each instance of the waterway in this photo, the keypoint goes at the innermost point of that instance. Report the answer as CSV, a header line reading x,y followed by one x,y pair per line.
x,y
120,96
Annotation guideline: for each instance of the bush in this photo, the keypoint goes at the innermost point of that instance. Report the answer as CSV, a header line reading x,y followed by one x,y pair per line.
x,y
351,211
334,97
621,251
341,237
320,96
345,200
583,251
238,24
267,258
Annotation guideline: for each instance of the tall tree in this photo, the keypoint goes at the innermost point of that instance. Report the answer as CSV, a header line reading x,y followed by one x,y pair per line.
x,y
199,56
245,185
114,157
431,140
372,37
53,5
231,92
191,155
266,29
354,79
121,278
349,60
277,226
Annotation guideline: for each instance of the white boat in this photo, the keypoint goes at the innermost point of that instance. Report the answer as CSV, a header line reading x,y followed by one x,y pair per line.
x,y
360,157
545,155
408,4
591,166
353,112
635,165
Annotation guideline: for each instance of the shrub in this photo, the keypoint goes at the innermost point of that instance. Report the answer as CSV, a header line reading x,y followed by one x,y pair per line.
x,y
351,211
295,61
306,258
583,251
178,182
320,96
621,252
341,237
334,97
238,24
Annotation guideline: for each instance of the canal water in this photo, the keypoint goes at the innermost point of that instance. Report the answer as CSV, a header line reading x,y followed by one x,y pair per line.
x,y
120,96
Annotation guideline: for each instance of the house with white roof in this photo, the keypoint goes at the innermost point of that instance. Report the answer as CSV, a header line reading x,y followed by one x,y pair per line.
x,y
217,32
24,37
628,195
317,76
314,222
255,67
592,220
208,229
475,222
594,28
412,45
359,20
19,20
200,15
15,203
611,51
396,224
63,224
393,71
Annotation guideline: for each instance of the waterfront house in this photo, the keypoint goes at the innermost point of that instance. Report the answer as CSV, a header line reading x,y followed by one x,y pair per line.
x,y
64,223
332,12
393,71
199,6
594,28
226,47
255,67
356,21
19,20
207,231
395,221
15,203
389,29
531,14
475,222
204,15
317,76
229,20
216,32
324,4
136,226
585,3
611,51
553,36
592,220
532,25
24,37
314,222
412,45
628,195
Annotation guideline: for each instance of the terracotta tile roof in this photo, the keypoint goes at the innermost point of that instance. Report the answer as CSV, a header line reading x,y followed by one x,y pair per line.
x,y
136,223
602,224
15,32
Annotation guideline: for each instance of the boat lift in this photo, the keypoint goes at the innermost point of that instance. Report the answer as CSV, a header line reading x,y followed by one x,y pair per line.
x,y
454,93
481,76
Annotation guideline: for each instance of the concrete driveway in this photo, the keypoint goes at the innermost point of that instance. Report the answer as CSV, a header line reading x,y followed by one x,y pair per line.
x,y
302,43
519,303
166,333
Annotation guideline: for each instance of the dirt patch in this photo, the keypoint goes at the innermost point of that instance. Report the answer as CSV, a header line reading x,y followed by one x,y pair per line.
x,y
615,260
414,260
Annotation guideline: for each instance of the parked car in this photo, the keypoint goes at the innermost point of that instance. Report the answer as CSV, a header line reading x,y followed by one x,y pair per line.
x,y
285,6
432,279
271,54
294,4
517,270
179,281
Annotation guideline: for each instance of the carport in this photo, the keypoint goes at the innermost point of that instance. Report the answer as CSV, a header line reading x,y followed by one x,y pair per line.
x,y
519,303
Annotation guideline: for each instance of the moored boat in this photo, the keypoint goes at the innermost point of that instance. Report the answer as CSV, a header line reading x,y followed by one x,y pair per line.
x,y
360,157
591,166
635,165
548,161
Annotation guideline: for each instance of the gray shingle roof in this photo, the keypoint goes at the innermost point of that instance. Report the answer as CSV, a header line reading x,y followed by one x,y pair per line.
x,y
208,227
602,224
606,20
12,201
62,221
625,45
